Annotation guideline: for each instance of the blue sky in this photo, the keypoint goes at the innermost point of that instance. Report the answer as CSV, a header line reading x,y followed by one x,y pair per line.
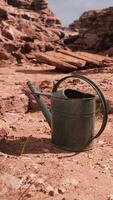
x,y
69,10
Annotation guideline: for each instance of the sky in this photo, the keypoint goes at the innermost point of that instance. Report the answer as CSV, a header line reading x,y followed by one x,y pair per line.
x,y
69,10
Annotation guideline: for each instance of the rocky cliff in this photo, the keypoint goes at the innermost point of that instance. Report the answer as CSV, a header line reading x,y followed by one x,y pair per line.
x,y
29,4
95,29
26,26
29,25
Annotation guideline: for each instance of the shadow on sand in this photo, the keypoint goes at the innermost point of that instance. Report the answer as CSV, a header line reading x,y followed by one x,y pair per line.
x,y
43,71
30,145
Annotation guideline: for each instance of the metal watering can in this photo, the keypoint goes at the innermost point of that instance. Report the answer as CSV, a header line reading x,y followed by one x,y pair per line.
x,y
72,116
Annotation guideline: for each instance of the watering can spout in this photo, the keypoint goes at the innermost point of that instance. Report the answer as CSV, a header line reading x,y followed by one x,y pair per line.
x,y
37,94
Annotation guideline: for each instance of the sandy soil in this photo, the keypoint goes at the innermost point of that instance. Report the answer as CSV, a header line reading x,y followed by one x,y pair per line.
x,y
34,168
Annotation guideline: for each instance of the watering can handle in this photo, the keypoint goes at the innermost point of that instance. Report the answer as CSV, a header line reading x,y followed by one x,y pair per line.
x,y
98,91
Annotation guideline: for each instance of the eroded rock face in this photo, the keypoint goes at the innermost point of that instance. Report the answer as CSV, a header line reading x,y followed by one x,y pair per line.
x,y
39,4
30,4
31,26
96,30
28,27
15,3
3,13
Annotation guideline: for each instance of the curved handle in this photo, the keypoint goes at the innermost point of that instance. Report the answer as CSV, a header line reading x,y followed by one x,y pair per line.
x,y
100,94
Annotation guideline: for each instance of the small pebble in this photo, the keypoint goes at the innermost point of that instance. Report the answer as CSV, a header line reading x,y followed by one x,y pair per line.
x,y
101,143
50,190
61,190
110,197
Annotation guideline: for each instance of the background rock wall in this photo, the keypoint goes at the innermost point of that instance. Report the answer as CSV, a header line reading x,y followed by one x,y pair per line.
x,y
29,25
31,4
95,29
26,26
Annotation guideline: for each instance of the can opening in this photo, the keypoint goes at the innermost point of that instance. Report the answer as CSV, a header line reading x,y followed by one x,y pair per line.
x,y
74,94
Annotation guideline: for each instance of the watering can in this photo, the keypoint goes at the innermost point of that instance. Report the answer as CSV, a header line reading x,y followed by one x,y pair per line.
x,y
72,117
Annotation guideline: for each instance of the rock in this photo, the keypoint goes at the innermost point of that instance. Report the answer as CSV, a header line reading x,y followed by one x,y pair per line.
x,y
90,58
39,4
50,190
19,3
3,132
40,180
4,55
2,38
28,38
8,33
19,56
110,197
10,182
70,181
18,104
32,29
31,4
54,61
71,38
95,29
111,159
3,14
27,47
108,52
15,3
51,193
45,85
61,190
51,21
101,143
11,47
27,26
33,105
49,47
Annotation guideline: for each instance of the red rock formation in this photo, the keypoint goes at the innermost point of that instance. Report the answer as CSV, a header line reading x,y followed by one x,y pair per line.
x,y
29,4
96,30
29,26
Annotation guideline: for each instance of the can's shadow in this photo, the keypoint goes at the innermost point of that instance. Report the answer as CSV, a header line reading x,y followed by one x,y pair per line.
x,y
30,145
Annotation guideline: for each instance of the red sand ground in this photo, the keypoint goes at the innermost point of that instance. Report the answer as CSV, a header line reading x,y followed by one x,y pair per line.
x,y
43,171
